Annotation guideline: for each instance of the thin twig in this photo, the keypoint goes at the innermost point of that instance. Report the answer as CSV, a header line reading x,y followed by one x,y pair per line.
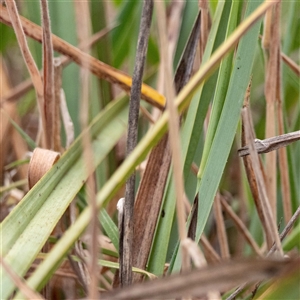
x,y
282,153
283,234
48,76
200,281
97,67
270,223
286,229
22,88
23,287
83,31
271,55
15,22
221,230
271,144
293,66
134,105
241,226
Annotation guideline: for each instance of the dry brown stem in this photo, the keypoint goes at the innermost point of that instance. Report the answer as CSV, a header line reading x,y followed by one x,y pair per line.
x,y
293,66
221,230
240,226
22,88
28,292
14,19
83,27
48,77
148,203
271,43
97,67
173,130
197,282
269,224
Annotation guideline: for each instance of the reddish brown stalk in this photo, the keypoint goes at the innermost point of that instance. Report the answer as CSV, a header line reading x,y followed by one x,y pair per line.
x,y
14,19
48,77
221,277
266,39
203,5
240,226
293,66
83,27
174,24
221,230
251,172
271,46
270,224
97,67
282,155
173,130
209,251
148,203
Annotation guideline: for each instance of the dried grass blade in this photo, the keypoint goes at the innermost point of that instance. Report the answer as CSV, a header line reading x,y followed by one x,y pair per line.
x,y
219,277
148,203
241,226
173,131
271,45
7,113
270,226
83,28
282,154
293,66
26,290
26,85
14,19
48,77
271,144
97,67
221,231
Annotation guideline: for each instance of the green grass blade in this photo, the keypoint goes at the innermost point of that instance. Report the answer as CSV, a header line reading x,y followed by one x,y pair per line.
x,y
228,121
110,228
222,85
30,142
190,135
227,125
29,225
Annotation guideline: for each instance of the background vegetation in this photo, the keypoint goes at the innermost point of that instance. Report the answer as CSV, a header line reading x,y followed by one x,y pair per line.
x,y
234,208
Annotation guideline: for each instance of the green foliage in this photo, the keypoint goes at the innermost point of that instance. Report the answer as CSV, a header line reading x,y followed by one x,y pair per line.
x,y
210,145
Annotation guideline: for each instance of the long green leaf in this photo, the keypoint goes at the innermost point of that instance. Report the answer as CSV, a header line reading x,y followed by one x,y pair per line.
x,y
190,135
26,229
226,129
222,85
